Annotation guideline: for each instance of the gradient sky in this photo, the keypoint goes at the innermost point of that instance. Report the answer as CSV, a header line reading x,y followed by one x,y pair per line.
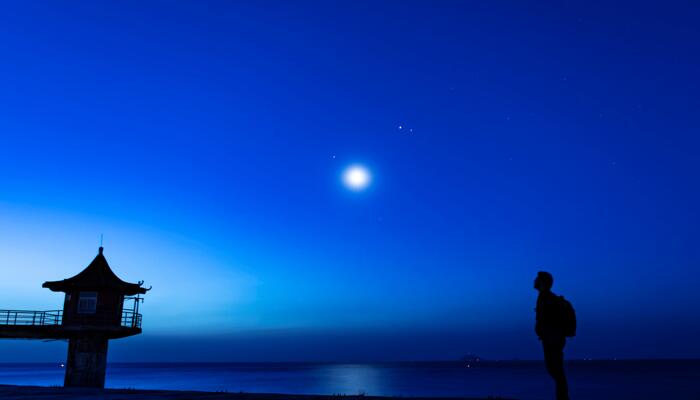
x,y
206,141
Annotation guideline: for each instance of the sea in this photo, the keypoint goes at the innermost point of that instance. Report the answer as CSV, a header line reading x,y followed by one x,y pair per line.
x,y
526,380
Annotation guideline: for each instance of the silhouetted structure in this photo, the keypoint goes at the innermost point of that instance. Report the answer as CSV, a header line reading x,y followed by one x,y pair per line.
x,y
555,320
93,313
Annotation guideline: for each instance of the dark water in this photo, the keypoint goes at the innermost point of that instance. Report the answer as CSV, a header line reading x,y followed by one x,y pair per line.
x,y
522,380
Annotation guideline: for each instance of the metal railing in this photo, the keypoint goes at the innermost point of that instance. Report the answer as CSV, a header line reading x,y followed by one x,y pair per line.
x,y
129,319
24,317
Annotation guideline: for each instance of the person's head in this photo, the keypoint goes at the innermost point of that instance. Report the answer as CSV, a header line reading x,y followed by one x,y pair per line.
x,y
544,281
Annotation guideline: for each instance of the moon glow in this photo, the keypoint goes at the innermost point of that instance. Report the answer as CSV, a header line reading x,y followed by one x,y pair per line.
x,y
356,177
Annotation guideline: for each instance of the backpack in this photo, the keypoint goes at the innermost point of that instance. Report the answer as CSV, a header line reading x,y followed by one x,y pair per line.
x,y
567,317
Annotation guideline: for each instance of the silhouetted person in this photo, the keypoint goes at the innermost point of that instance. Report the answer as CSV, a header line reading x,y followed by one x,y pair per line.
x,y
553,325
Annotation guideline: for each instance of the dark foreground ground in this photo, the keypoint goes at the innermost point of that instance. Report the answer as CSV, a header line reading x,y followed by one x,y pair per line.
x,y
38,392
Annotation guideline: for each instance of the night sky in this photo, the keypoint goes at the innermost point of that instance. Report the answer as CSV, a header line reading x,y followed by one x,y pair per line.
x,y
208,142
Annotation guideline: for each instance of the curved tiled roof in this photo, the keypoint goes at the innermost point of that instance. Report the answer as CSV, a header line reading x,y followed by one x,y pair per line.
x,y
96,276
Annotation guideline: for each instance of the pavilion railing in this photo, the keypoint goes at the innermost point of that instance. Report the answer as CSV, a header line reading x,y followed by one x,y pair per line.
x,y
129,319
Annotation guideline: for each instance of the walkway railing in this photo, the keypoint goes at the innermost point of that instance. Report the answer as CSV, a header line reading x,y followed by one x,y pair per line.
x,y
129,319
23,317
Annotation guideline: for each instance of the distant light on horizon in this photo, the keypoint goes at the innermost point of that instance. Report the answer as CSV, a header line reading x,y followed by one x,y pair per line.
x,y
356,177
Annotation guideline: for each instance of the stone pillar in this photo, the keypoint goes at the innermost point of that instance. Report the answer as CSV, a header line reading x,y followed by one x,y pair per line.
x,y
87,362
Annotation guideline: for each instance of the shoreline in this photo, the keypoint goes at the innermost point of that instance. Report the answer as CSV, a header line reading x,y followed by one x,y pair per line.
x,y
50,392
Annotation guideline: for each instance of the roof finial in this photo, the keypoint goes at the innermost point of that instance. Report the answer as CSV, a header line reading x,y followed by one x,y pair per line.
x,y
101,238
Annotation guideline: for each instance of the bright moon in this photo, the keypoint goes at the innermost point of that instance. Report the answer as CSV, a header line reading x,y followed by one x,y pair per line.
x,y
356,177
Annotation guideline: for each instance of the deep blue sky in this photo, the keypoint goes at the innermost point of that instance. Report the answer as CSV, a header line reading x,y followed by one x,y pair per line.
x,y
206,142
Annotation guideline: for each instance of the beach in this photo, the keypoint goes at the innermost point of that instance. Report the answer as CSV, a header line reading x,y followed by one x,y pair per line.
x,y
38,392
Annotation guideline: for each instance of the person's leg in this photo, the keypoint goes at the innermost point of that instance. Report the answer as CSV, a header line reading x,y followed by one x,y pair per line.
x,y
554,361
